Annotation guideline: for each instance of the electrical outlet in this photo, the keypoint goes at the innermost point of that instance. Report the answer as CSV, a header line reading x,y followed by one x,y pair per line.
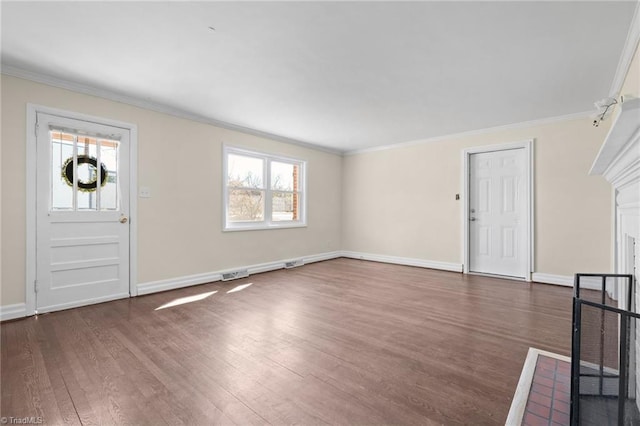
x,y
457,196
144,192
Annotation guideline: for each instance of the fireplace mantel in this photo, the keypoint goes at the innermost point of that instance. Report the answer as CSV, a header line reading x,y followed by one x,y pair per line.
x,y
619,158
619,162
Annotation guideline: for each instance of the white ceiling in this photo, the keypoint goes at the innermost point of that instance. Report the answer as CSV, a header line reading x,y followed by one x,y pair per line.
x,y
345,76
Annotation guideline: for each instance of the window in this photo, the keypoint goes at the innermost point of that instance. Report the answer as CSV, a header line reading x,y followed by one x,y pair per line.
x,y
76,182
262,191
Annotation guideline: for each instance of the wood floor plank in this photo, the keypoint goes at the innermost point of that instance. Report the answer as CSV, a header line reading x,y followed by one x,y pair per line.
x,y
187,382
49,361
29,384
335,342
111,397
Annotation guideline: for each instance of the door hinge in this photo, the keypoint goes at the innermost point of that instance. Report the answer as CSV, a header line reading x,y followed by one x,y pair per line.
x,y
35,283
37,127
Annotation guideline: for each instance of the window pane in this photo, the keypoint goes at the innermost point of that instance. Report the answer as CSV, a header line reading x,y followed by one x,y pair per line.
x,y
109,190
245,172
87,173
263,191
284,206
284,176
245,206
61,150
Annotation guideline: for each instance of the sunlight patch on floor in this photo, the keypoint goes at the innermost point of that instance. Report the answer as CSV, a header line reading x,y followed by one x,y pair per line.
x,y
239,288
187,299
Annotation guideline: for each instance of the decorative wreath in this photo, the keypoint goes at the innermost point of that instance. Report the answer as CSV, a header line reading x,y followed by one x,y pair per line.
x,y
92,185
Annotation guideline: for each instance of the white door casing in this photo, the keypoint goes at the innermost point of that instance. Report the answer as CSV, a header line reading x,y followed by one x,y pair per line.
x,y
498,210
78,256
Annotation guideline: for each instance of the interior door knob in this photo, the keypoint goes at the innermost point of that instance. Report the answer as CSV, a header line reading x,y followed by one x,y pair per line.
x,y
124,219
472,219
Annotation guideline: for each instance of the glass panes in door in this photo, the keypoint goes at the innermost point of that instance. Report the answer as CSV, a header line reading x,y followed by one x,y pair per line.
x,y
84,172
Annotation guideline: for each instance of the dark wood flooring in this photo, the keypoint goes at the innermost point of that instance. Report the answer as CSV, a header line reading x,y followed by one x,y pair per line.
x,y
338,342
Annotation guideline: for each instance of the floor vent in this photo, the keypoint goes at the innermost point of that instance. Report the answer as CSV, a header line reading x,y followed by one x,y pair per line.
x,y
234,275
294,263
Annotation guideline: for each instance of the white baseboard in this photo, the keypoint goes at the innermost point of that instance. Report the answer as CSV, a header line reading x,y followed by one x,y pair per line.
x,y
189,280
18,310
564,280
8,312
407,261
272,266
322,256
178,282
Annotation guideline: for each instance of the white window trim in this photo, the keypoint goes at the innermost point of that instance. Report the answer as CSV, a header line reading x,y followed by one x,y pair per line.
x,y
266,223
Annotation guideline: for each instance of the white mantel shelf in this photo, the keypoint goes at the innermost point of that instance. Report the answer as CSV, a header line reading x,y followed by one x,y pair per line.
x,y
620,153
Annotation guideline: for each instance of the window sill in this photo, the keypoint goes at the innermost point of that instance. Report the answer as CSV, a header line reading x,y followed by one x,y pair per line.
x,y
263,227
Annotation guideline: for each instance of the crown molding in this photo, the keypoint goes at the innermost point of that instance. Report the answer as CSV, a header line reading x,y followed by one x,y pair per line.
x,y
488,130
629,49
625,61
151,105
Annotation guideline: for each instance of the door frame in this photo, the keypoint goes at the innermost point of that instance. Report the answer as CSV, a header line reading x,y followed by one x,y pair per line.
x,y
527,145
31,195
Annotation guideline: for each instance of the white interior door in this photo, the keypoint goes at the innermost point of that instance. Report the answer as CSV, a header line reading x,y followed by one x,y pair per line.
x,y
498,229
82,212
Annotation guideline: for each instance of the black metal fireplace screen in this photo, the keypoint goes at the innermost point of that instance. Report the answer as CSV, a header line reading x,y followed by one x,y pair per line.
x,y
605,356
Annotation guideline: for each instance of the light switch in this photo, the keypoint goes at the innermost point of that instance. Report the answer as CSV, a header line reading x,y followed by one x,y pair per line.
x,y
144,192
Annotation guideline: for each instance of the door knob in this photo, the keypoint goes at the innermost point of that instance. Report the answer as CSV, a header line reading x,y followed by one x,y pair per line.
x,y
473,210
124,219
472,219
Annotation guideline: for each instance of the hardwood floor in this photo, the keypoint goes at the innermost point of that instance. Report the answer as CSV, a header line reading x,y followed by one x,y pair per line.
x,y
339,342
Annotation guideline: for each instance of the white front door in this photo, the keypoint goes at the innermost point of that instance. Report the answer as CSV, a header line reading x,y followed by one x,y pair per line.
x,y
498,231
82,212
